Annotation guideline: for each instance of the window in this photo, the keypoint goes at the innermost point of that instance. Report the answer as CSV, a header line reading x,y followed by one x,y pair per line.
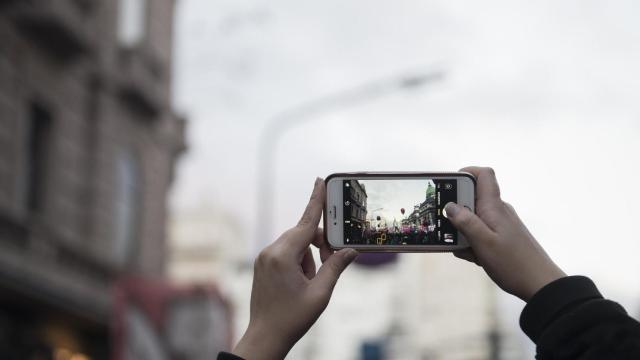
x,y
126,205
132,22
38,138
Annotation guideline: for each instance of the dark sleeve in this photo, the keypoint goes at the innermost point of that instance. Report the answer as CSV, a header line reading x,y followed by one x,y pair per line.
x,y
228,356
569,319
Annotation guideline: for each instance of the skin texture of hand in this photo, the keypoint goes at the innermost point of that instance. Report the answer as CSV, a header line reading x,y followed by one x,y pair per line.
x,y
288,295
500,242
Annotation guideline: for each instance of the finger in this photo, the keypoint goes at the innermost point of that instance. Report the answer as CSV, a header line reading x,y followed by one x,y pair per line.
x,y
330,271
299,238
466,254
311,216
308,264
320,242
469,224
487,185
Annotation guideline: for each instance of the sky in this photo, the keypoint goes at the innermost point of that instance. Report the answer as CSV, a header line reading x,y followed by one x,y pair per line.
x,y
544,92
391,196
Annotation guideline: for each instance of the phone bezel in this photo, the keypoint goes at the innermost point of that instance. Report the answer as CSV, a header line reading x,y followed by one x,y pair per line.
x,y
334,229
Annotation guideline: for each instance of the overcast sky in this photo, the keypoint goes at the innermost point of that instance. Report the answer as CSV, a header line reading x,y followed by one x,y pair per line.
x,y
546,92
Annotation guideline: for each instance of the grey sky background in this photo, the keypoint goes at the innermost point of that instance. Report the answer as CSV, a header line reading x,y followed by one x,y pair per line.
x,y
545,92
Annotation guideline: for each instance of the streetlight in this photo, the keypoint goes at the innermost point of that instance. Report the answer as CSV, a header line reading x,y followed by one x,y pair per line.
x,y
300,114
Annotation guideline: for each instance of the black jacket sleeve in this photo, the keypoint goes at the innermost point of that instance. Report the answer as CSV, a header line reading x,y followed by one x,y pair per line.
x,y
228,356
569,319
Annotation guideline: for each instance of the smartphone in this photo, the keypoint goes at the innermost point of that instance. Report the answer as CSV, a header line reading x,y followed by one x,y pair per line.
x,y
395,212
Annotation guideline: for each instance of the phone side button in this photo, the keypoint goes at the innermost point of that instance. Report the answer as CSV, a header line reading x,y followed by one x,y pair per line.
x,y
334,212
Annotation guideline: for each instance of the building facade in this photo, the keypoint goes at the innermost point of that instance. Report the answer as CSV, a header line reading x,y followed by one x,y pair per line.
x,y
424,214
427,210
88,142
355,208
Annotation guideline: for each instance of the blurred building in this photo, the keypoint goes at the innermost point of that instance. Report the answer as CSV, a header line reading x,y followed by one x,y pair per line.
x,y
156,320
207,246
431,306
88,142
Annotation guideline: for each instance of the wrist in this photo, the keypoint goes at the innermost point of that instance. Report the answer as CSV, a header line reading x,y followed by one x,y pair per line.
x,y
554,300
259,343
542,280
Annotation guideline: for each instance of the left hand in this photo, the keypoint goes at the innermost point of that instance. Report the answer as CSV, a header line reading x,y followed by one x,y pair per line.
x,y
288,295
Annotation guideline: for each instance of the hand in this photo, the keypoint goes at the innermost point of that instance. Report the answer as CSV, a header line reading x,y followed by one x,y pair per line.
x,y
288,295
500,242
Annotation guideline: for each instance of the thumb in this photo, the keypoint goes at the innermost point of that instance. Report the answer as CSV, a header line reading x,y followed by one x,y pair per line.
x,y
468,223
331,269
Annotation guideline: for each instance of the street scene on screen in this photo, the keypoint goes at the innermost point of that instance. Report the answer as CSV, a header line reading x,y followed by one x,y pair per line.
x,y
398,212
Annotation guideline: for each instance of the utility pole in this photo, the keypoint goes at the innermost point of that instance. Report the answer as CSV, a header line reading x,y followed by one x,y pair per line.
x,y
298,115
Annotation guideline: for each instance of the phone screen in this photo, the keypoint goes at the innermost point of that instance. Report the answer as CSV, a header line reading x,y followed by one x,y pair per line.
x,y
398,212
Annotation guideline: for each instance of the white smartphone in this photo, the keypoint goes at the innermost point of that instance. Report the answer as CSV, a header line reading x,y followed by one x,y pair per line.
x,y
395,212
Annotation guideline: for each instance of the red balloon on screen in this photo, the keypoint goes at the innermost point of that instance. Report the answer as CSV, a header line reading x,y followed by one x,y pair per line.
x,y
402,211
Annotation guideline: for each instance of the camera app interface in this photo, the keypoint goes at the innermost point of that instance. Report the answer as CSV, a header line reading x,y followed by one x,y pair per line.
x,y
398,212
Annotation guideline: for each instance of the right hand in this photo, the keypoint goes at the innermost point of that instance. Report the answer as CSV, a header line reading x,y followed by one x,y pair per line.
x,y
500,242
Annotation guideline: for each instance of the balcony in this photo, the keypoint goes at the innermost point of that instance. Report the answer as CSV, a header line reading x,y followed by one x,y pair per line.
x,y
140,78
62,28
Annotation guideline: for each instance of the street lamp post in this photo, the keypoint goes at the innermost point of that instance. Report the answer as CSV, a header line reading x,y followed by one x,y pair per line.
x,y
300,114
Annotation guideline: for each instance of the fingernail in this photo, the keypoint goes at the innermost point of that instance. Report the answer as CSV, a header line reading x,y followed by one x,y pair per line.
x,y
451,210
350,255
